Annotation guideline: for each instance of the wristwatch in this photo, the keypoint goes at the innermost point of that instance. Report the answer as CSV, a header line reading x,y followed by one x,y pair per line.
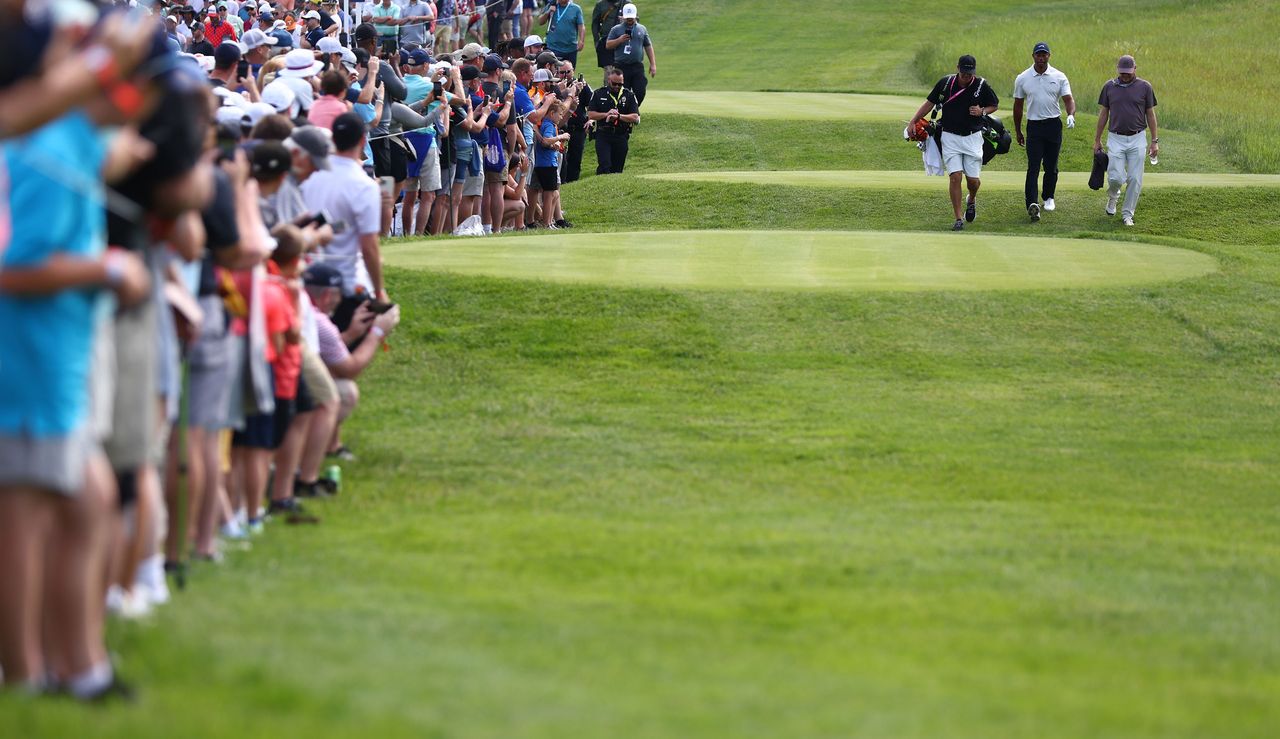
x,y
1155,140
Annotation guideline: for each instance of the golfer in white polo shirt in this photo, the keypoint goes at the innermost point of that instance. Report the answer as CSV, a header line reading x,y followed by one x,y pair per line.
x,y
1037,91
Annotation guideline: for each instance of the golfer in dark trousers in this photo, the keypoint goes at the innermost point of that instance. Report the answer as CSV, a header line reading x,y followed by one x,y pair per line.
x,y
1036,92
614,110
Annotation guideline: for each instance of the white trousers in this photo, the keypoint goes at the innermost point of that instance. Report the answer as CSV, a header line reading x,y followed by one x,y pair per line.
x,y
1128,160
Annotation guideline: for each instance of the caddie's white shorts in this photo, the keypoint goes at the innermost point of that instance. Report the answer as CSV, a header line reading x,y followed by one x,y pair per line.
x,y
962,154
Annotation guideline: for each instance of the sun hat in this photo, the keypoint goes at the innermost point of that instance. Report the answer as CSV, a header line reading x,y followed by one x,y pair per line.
x,y
253,38
1126,64
300,63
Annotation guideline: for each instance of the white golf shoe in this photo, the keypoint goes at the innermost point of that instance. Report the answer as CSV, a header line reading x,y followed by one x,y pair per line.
x,y
1128,221
1049,205
1111,203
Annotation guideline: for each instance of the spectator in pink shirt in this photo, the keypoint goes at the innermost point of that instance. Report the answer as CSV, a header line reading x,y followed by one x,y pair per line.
x,y
332,102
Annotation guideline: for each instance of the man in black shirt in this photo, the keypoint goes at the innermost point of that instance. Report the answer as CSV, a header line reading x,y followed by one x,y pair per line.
x,y
571,170
964,99
614,110
199,44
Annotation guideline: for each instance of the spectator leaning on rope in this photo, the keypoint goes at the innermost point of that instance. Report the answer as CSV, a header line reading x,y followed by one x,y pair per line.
x,y
1036,91
964,99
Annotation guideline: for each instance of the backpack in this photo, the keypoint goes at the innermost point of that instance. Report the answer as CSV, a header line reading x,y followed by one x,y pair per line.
x,y
495,155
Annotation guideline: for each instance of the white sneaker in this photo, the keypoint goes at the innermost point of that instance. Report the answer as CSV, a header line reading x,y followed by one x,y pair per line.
x,y
1049,205
151,580
1111,203
1128,221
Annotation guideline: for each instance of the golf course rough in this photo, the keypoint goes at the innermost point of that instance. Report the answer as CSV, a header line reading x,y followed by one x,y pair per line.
x,y
810,260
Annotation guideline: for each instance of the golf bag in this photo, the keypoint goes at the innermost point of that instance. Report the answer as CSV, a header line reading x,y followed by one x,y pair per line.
x,y
995,138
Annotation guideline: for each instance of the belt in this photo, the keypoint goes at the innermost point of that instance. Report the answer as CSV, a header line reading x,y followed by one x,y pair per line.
x,y
1129,133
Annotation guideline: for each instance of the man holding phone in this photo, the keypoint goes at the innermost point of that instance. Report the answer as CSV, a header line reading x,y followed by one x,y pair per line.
x,y
630,43
615,110
354,204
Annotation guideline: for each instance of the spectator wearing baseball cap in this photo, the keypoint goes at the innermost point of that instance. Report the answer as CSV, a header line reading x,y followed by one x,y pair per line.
x,y
533,46
258,46
630,43
217,29
314,33
198,43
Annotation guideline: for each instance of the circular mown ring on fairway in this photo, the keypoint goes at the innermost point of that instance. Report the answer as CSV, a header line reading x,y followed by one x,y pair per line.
x,y
809,260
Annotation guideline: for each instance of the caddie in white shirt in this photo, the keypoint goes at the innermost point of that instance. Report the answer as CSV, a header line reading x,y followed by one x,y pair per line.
x,y
1036,91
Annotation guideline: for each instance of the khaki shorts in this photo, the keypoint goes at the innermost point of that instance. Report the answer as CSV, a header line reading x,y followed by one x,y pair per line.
x,y
134,408
473,187
495,178
320,384
444,33
428,179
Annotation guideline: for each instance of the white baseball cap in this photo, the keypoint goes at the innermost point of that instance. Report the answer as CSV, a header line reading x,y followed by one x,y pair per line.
x,y
258,111
534,40
541,75
629,11
253,38
311,14
329,45
280,97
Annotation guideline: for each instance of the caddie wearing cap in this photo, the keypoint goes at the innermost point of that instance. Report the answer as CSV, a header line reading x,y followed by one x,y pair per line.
x,y
1126,109
1036,91
964,98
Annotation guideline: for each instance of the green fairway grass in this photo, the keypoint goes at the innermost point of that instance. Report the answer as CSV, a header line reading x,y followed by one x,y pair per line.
x,y
781,105
810,260
1005,180
1208,60
594,498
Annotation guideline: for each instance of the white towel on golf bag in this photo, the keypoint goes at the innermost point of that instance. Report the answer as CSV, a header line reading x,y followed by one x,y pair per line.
x,y
932,158
470,227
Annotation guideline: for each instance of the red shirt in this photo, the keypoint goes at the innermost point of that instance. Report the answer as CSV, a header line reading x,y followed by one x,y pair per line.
x,y
217,34
277,306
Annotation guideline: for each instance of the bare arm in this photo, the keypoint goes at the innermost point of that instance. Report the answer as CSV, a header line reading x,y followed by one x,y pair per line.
x,y
1155,132
1070,102
653,61
1103,114
924,109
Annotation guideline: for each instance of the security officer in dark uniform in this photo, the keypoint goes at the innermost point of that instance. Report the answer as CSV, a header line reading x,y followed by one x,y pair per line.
x,y
615,110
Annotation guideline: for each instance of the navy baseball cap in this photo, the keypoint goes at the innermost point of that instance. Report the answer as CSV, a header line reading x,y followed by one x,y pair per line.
x,y
493,63
419,57
1042,46
469,73
322,275
967,64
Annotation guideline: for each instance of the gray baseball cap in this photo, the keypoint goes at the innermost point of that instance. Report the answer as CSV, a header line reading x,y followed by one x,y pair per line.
x,y
314,142
1126,64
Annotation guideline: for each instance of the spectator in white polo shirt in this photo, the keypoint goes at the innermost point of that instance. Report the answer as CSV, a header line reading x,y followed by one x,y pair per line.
x,y
354,207
1037,91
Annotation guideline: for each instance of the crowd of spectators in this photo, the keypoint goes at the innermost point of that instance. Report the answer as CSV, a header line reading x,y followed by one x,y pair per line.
x,y
192,202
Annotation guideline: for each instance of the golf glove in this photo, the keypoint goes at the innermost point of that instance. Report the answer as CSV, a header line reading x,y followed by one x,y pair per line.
x,y
1071,121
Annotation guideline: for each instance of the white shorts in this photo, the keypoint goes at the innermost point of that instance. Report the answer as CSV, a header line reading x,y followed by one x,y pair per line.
x,y
962,154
